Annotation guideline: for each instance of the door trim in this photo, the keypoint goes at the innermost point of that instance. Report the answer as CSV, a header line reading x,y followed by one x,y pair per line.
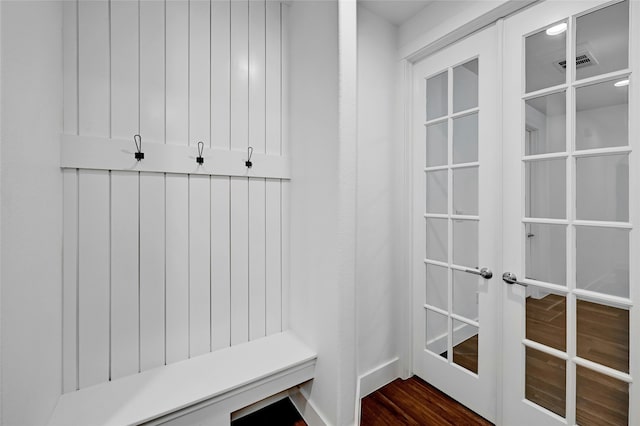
x,y
431,43
437,40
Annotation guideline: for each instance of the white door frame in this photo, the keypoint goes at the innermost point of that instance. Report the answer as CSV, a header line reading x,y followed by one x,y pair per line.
x,y
532,21
434,41
475,391
430,42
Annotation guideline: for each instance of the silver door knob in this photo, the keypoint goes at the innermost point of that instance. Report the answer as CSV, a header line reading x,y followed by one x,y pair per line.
x,y
510,278
483,272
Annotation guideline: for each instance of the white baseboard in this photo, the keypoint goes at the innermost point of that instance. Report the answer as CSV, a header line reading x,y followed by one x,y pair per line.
x,y
379,376
461,333
305,407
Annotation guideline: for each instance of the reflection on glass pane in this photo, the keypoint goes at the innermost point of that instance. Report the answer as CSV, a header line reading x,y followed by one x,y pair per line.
x,y
437,333
546,253
465,191
465,139
545,381
465,86
437,239
437,144
602,117
437,100
437,284
602,260
465,346
600,399
546,189
465,243
545,57
465,294
437,191
547,318
602,188
546,124
602,41
603,335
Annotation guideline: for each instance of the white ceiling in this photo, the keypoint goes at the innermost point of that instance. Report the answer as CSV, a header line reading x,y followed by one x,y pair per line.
x,y
395,11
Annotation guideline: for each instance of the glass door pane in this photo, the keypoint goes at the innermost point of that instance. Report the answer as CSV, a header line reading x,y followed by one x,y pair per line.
x,y
452,174
575,223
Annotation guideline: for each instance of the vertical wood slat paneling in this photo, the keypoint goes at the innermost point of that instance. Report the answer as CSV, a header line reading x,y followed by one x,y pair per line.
x,y
257,101
152,95
124,69
239,75
93,276
199,72
257,231
199,269
177,268
152,268
273,255
284,66
220,74
221,65
94,68
220,263
70,281
152,187
70,37
239,260
285,194
273,79
177,72
124,295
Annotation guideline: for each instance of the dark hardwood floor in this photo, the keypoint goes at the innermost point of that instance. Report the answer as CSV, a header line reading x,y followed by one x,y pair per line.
x,y
414,402
603,337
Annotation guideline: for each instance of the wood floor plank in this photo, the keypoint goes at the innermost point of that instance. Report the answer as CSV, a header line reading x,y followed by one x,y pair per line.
x,y
415,402
465,354
602,337
383,411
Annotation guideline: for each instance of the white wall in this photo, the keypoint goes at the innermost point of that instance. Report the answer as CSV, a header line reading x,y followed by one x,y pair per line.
x,y
320,228
378,273
31,209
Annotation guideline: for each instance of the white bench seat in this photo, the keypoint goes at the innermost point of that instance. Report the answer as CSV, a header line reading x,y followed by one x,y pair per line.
x,y
232,377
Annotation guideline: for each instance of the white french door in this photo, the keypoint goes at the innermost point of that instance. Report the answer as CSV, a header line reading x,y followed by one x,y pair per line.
x,y
456,205
541,192
570,214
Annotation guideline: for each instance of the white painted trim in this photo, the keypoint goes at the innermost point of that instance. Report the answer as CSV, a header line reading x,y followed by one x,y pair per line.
x,y
500,304
462,332
252,372
406,323
243,412
379,376
1,258
430,46
311,415
84,152
347,402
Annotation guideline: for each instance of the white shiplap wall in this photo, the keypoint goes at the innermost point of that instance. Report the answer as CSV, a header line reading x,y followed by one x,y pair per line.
x,y
163,264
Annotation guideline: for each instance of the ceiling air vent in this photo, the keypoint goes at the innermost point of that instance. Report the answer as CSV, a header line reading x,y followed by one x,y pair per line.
x,y
583,59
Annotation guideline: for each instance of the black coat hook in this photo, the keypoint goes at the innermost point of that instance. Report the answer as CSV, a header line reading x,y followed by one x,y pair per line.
x,y
248,163
139,155
200,158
